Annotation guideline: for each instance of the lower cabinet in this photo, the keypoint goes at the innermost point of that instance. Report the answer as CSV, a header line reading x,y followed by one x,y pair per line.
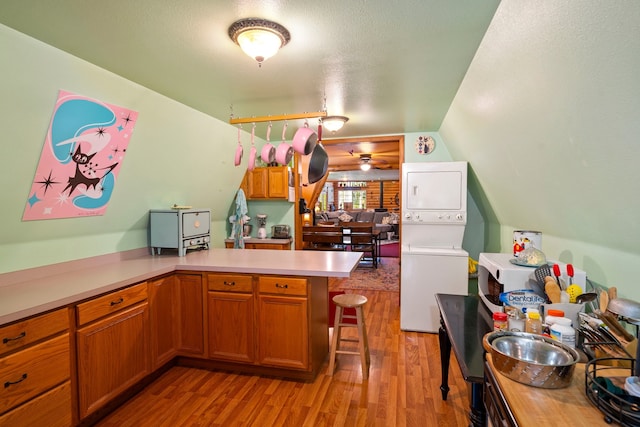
x,y
35,369
113,351
164,315
191,314
51,409
283,331
269,324
277,244
230,314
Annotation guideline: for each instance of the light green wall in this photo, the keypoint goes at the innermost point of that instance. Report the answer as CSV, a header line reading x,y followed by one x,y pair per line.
x,y
547,117
176,155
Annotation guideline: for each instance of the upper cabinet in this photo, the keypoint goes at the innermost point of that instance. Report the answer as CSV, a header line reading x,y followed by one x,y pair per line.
x,y
266,183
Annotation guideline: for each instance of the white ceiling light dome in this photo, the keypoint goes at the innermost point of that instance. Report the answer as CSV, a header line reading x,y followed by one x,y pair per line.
x,y
259,38
334,123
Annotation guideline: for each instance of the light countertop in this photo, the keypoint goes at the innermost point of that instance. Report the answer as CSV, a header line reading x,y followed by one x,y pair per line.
x,y
534,406
30,296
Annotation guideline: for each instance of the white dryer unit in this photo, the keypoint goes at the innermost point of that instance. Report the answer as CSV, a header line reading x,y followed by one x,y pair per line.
x,y
434,214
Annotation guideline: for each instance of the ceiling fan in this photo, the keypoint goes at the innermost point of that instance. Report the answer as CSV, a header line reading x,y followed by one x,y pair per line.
x,y
367,162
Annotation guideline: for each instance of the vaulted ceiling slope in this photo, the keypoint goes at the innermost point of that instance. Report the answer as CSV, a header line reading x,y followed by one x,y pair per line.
x,y
392,67
548,117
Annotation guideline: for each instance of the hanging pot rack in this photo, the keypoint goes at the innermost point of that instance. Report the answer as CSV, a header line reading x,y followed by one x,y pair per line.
x,y
278,118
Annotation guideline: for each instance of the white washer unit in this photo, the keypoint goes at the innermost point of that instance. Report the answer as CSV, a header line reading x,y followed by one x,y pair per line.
x,y
434,211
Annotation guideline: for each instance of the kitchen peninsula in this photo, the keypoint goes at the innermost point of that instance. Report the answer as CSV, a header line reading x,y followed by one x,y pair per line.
x,y
255,311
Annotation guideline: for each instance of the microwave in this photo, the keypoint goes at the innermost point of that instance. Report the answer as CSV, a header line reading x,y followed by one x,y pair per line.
x,y
496,274
280,231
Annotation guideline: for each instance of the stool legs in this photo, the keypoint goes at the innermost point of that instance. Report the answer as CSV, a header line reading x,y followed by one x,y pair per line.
x,y
335,339
363,342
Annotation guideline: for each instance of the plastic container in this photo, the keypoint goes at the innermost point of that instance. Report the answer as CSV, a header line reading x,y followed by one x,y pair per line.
x,y
500,321
554,312
551,318
533,324
562,331
516,320
523,239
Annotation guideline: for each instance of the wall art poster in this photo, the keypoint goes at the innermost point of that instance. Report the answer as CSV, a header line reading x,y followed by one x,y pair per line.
x,y
82,155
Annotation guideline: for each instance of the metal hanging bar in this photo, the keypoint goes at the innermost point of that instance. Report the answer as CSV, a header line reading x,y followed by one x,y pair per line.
x,y
279,118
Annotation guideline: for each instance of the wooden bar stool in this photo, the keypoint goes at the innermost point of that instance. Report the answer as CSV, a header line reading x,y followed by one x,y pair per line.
x,y
357,302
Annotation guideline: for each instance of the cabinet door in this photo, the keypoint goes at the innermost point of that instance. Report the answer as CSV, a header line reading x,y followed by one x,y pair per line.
x,y
278,179
231,331
51,409
191,309
163,309
257,183
113,354
283,333
244,185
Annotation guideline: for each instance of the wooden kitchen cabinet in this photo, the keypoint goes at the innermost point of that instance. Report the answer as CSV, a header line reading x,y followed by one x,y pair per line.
x,y
266,183
113,346
35,370
51,409
191,314
230,316
164,315
283,333
253,243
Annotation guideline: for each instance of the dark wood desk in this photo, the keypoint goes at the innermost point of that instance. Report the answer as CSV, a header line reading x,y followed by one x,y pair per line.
x,y
464,320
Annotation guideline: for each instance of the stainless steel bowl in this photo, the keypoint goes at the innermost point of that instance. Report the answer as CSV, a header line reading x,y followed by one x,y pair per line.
x,y
531,359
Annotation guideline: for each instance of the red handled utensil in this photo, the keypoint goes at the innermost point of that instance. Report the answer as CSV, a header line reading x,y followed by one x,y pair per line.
x,y
556,272
570,273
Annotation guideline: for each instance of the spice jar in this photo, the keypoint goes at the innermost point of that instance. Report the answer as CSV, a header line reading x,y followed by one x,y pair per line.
x,y
499,321
533,325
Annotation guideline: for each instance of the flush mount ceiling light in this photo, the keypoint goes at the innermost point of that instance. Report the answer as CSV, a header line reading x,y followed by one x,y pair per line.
x,y
334,123
259,38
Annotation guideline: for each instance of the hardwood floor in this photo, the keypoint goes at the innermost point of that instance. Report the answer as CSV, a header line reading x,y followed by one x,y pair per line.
x,y
402,390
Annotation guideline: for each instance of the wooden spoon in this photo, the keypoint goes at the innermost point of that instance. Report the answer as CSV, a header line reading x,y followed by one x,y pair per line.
x,y
604,301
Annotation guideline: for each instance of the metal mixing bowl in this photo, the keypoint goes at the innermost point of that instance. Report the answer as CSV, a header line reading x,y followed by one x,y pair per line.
x,y
531,359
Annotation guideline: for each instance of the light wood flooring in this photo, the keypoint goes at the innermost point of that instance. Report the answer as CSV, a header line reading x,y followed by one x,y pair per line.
x,y
402,389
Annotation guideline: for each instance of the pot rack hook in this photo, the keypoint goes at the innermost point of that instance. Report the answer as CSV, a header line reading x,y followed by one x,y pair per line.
x,y
253,133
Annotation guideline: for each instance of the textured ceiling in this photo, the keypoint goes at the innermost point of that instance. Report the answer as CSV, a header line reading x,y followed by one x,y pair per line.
x,y
391,66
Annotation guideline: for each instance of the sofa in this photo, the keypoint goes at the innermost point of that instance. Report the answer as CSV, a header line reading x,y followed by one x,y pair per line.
x,y
383,221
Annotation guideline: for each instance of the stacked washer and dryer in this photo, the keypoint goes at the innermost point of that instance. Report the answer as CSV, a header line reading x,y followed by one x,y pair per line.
x,y
434,216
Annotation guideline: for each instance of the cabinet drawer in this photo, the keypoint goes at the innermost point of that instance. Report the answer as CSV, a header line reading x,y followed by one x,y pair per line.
x,y
18,335
229,283
283,285
29,372
51,409
110,303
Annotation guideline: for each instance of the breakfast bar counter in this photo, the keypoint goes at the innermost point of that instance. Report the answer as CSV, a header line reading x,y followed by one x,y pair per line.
x,y
256,311
29,292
